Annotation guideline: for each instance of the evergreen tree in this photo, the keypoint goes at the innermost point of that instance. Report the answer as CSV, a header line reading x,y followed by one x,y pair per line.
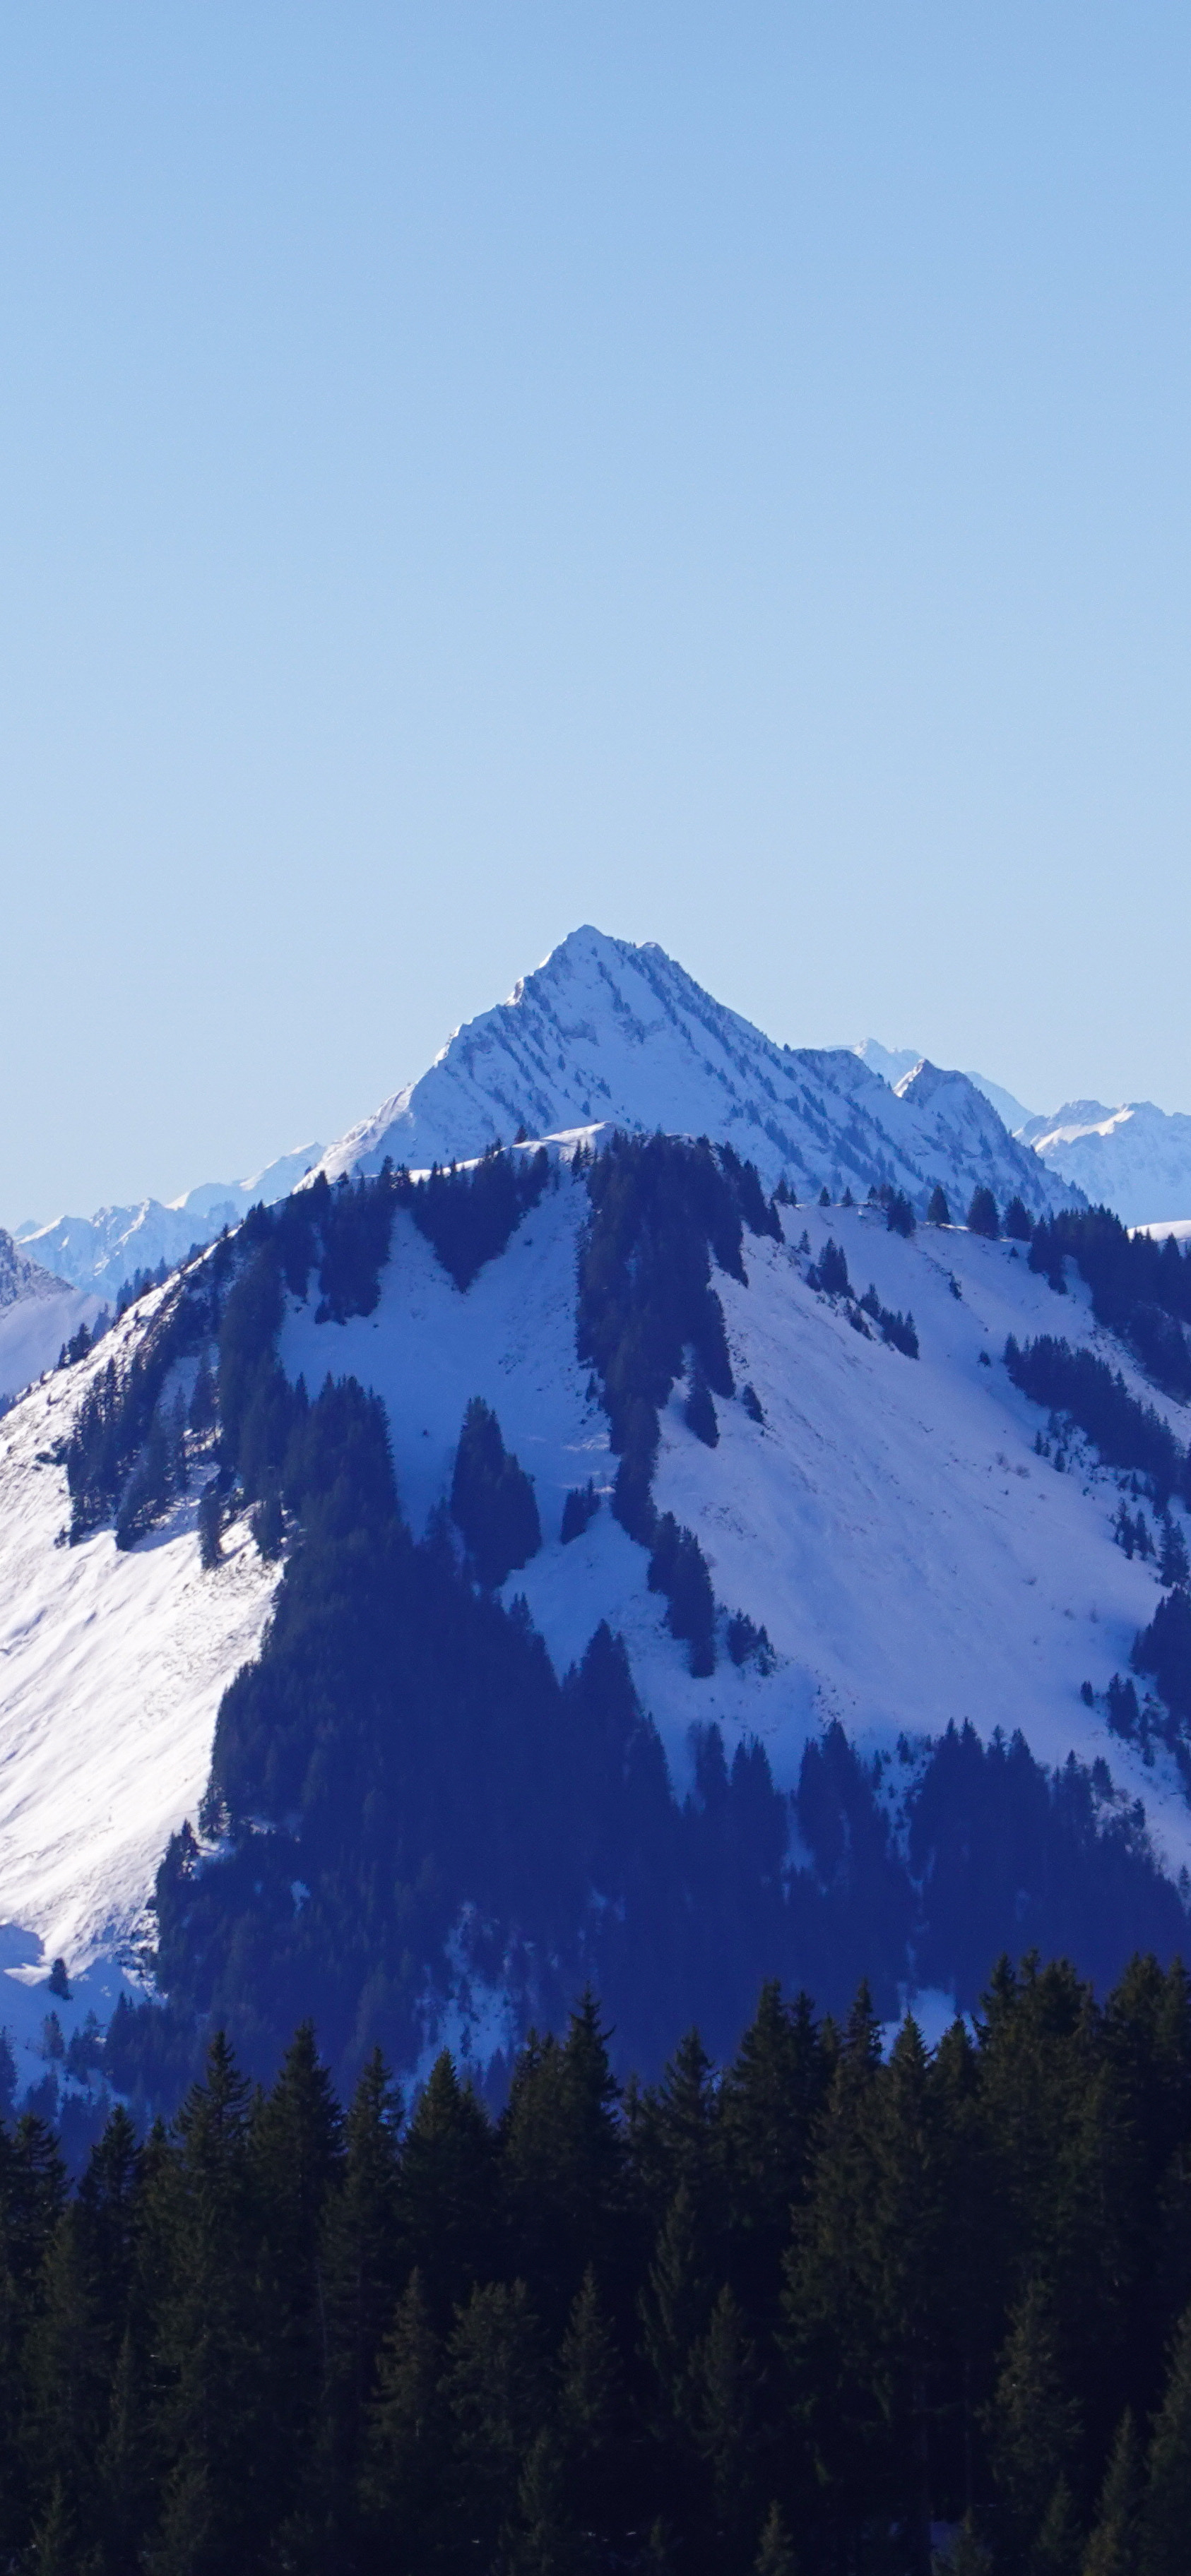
x,y
497,2392
899,1215
724,2414
56,2544
296,2145
65,2382
203,2221
1018,1225
1173,1566
446,2190
405,2478
698,1412
1166,2506
775,2557
492,1499
1058,2549
581,1505
1112,2549
675,2307
676,2134
563,2160
202,1402
210,1524
982,1214
938,1212
547,2539
769,2106
1033,2430
590,2399
126,2466
864,2303
360,2274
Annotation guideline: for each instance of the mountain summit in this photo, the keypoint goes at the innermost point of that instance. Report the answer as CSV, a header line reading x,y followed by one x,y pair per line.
x,y
604,1033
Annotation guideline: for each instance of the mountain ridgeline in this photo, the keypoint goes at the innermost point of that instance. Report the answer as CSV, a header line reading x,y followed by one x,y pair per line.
x,y
403,1790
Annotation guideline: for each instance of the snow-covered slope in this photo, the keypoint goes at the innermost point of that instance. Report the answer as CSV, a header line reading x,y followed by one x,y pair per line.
x,y
911,1557
38,1313
893,1063
101,1252
1135,1159
1011,1111
111,1670
605,1031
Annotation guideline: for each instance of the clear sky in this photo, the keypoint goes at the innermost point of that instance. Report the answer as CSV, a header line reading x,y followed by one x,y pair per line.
x,y
716,471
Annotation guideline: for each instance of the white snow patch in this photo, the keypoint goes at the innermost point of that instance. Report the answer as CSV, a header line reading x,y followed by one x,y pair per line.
x,y
112,1666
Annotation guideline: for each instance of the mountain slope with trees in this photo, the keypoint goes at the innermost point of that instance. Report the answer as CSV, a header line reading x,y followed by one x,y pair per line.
x,y
639,1595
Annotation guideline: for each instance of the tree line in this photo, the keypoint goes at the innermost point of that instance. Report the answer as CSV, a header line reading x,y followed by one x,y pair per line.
x,y
827,2309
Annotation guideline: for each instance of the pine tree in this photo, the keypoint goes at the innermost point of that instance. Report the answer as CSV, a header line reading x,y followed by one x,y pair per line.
x,y
492,1499
563,2162
65,2385
360,2271
1112,2549
590,2397
938,1212
1166,2506
866,2286
676,2135
1173,1567
1058,2549
547,2539
675,2305
203,2223
770,2101
57,2550
210,1524
982,1214
1033,2429
202,1402
405,2478
775,2556
125,2466
723,2406
268,1525
699,1412
497,2391
296,2147
1018,1224
446,2190
899,1215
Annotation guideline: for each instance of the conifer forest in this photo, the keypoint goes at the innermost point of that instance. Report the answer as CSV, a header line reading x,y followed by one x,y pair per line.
x,y
829,2308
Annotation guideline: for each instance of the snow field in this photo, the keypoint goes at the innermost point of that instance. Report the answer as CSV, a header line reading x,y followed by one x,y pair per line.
x,y
111,1670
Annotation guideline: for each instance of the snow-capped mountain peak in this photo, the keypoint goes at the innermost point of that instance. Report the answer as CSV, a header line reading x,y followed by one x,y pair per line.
x,y
604,1032
1135,1158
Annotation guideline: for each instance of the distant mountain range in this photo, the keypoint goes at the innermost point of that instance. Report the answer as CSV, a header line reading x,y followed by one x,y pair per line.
x,y
104,1251
1135,1159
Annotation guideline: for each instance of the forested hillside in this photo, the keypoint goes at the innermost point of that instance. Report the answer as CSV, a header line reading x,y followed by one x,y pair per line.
x,y
581,1568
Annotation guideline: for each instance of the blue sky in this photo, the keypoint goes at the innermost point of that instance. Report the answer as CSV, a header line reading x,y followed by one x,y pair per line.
x,y
720,472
